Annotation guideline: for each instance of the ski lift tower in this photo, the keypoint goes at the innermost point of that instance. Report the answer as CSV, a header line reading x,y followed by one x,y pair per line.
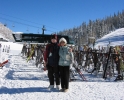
x,y
43,29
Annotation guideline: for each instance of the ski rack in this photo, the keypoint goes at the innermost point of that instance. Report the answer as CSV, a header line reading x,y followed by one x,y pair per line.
x,y
95,60
104,74
119,77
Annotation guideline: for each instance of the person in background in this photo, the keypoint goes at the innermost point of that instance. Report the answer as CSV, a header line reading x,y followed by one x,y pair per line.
x,y
66,58
24,50
51,59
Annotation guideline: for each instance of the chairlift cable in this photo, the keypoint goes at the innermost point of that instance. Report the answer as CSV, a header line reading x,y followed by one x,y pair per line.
x,y
27,20
23,24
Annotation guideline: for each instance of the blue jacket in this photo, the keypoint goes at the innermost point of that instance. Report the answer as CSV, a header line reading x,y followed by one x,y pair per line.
x,y
66,57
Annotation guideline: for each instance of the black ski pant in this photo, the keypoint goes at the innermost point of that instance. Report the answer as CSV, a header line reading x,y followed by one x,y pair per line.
x,y
53,73
64,75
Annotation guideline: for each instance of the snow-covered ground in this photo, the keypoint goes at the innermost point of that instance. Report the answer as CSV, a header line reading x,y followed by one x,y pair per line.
x,y
20,80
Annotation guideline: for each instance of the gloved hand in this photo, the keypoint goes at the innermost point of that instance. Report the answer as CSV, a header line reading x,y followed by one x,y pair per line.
x,y
45,68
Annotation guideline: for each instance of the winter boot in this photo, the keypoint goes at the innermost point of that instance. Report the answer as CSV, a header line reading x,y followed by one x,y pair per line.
x,y
50,87
57,87
62,90
66,90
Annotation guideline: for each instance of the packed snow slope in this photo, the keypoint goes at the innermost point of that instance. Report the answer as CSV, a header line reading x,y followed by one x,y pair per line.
x,y
114,38
21,80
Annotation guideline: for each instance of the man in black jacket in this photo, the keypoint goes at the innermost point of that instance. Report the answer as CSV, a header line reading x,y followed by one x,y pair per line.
x,y
51,58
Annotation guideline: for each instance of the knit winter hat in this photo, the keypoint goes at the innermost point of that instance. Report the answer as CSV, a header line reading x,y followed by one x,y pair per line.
x,y
63,39
54,36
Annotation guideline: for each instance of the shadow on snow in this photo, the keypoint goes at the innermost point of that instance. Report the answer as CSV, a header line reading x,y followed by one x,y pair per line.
x,y
10,75
4,90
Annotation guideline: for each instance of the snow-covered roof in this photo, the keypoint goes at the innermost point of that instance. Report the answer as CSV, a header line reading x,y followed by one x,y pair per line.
x,y
18,32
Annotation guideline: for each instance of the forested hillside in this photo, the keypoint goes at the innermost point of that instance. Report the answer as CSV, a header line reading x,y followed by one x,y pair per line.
x,y
95,28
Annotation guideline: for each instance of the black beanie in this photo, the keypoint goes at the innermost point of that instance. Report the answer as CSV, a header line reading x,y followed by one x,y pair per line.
x,y
54,36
